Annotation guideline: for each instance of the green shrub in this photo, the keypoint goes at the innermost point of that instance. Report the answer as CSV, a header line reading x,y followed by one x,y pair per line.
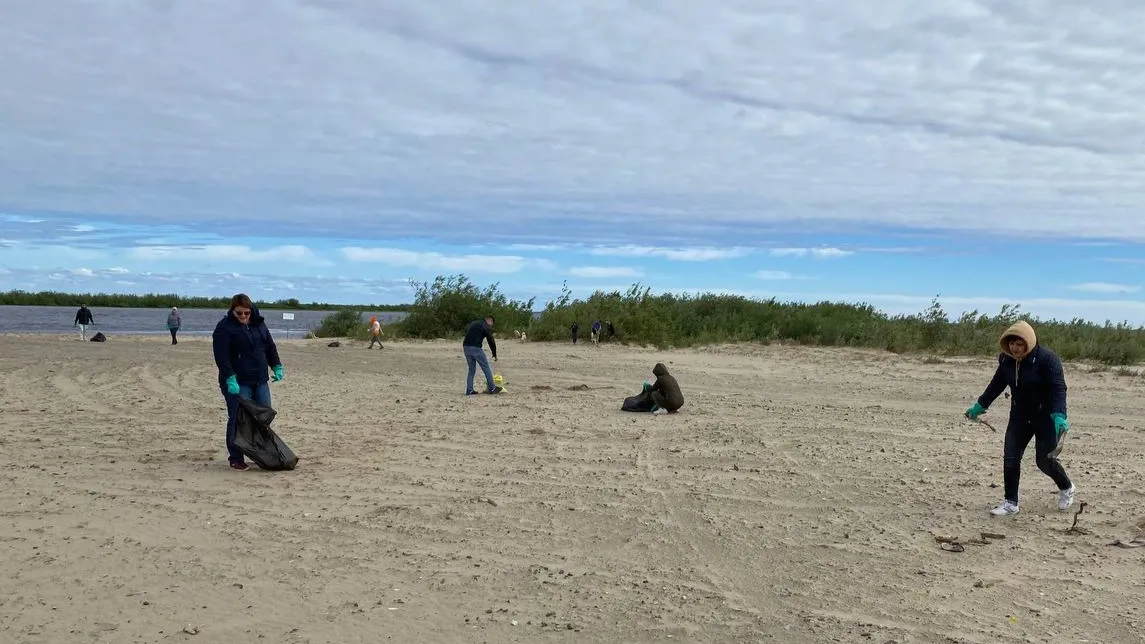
x,y
445,307
677,321
342,324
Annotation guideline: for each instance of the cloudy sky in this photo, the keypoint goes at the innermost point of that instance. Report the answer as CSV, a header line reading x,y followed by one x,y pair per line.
x,y
886,151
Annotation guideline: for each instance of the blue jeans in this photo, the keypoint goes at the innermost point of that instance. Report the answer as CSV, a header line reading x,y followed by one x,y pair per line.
x,y
259,394
476,356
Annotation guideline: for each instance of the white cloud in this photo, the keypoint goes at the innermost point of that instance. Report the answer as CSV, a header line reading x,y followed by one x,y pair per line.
x,y
774,275
223,253
605,271
81,228
894,250
116,271
1103,287
1125,260
82,272
676,254
434,261
819,253
536,247
638,123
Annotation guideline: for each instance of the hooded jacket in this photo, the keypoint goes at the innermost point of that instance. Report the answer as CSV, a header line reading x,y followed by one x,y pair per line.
x,y
1036,381
667,387
246,351
174,320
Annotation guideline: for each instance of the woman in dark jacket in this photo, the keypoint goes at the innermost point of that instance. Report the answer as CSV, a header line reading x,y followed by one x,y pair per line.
x,y
1037,411
244,353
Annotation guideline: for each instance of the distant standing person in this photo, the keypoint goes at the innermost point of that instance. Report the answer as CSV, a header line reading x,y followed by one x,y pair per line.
x,y
375,332
594,334
1037,411
83,319
575,330
244,352
474,355
174,321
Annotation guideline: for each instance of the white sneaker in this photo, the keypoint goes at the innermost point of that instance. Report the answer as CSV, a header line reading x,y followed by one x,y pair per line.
x,y
1065,497
1006,508
660,412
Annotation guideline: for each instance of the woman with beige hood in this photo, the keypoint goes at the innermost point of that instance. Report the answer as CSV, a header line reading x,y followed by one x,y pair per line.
x,y
1037,411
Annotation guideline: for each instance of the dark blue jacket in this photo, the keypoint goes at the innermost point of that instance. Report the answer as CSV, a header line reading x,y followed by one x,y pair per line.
x,y
245,351
477,332
1037,386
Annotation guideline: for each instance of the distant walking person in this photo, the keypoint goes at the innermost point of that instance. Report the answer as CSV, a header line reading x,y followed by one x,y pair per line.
x,y
174,321
83,319
375,332
244,352
474,355
575,330
1037,411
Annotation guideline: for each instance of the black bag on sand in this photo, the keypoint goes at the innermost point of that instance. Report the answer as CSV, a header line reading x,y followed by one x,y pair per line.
x,y
258,441
640,402
98,337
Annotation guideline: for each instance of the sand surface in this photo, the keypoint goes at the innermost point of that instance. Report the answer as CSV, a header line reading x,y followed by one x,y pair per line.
x,y
795,498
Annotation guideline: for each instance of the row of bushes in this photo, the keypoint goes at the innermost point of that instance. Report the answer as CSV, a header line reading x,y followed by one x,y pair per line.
x,y
443,308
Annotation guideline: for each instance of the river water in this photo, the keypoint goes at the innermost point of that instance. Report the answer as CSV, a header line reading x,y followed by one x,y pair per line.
x,y
137,321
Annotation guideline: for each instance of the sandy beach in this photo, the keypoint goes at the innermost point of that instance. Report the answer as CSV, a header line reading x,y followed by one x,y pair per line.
x,y
795,498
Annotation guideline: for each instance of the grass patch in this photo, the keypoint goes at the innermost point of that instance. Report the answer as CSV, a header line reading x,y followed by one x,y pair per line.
x,y
444,307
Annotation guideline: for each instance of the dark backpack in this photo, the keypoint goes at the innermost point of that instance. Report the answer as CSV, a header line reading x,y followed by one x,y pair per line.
x,y
99,337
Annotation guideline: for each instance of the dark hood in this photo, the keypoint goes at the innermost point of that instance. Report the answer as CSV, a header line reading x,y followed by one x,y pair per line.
x,y
659,369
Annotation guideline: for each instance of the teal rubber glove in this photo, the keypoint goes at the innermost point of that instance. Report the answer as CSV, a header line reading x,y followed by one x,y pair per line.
x,y
279,373
232,385
1061,425
647,386
975,411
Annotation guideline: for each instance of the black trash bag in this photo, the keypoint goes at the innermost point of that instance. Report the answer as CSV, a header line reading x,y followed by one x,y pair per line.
x,y
640,402
258,441
98,337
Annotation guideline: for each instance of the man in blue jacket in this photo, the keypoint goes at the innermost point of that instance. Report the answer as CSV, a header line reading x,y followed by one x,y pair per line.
x,y
244,353
1037,411
474,355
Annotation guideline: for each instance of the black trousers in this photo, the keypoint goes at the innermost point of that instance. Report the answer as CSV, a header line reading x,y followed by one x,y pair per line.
x,y
1018,435
173,332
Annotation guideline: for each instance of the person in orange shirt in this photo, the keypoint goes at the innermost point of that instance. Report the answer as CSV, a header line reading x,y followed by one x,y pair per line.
x,y
375,332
